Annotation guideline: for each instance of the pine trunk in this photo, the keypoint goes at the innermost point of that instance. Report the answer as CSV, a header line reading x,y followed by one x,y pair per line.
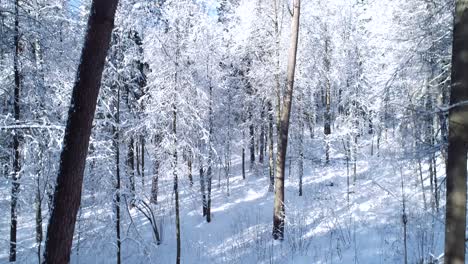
x,y
455,226
67,193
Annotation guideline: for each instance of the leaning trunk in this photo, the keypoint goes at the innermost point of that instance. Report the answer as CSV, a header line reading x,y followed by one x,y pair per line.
x,y
78,129
279,212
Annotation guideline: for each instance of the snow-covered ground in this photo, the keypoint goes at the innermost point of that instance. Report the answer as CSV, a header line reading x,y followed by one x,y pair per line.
x,y
322,226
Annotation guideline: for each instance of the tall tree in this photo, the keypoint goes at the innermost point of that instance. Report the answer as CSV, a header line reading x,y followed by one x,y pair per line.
x,y
67,193
16,139
116,141
455,217
279,212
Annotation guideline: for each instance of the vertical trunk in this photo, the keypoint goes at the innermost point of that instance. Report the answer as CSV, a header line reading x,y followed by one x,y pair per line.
x,y
355,160
327,115
16,140
279,208
202,186
137,160
243,163
154,182
270,147
143,161
429,140
208,196
131,169
189,164
301,152
262,137
116,142
174,134
209,172
405,221
346,148
228,145
431,178
38,205
155,178
176,186
78,129
455,225
252,141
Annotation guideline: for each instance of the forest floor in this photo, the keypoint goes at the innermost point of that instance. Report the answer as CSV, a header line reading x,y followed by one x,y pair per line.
x,y
323,226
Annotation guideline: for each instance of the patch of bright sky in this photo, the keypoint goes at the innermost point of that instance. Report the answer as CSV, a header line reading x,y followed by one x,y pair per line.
x,y
211,6
74,6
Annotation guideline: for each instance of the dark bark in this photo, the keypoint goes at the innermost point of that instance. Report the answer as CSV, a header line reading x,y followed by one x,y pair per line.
x,y
176,186
455,226
262,139
143,161
243,163
116,142
67,193
202,187
154,183
131,169
252,142
38,203
16,140
190,169
209,172
175,157
279,208
137,160
327,115
155,178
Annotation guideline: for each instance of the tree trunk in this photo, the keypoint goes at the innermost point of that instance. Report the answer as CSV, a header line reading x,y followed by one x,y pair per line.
x,y
327,116
270,147
78,129
243,163
16,141
131,169
116,141
202,186
175,162
143,161
209,172
301,145
176,186
262,138
252,142
137,160
189,164
279,210
154,183
38,205
155,178
455,226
